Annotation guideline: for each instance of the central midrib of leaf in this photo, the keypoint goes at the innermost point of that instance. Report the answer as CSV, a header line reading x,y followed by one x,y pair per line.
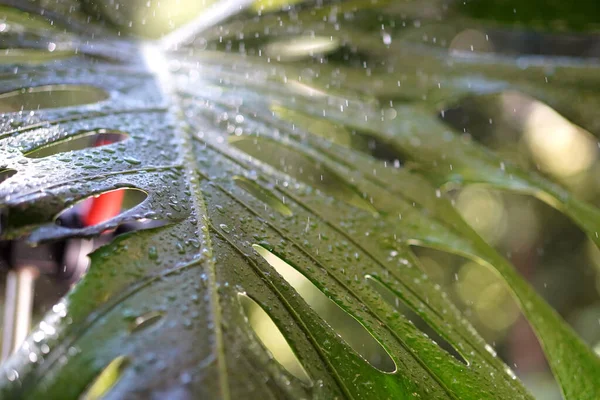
x,y
157,64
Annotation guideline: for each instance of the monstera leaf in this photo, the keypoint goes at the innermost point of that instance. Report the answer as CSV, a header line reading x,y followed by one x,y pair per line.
x,y
297,137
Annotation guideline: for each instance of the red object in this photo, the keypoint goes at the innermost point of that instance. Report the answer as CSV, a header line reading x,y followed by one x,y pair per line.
x,y
105,206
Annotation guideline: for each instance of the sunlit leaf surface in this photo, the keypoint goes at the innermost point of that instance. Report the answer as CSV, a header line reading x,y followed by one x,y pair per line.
x,y
288,152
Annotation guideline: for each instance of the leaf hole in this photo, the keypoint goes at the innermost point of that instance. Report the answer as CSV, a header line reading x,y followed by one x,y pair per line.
x,y
97,138
265,196
6,173
101,207
18,20
106,380
146,320
301,47
398,303
297,165
271,337
50,96
486,301
478,291
377,148
348,327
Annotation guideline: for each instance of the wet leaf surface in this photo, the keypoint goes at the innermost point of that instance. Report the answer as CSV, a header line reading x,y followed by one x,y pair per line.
x,y
327,154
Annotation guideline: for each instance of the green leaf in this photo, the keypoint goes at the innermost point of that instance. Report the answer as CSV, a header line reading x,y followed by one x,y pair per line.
x,y
253,161
554,15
